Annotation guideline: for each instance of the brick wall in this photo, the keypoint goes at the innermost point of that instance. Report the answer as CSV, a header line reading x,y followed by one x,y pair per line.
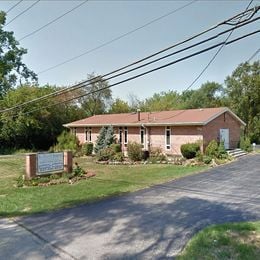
x,y
226,121
81,134
155,135
179,136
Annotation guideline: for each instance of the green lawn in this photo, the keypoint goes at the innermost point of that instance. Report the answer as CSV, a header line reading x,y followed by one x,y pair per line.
x,y
110,180
240,241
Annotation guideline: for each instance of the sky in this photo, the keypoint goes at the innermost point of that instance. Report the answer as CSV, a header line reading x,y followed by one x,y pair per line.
x,y
97,22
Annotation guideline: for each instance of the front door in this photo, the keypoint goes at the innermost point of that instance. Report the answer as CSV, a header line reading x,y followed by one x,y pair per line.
x,y
224,137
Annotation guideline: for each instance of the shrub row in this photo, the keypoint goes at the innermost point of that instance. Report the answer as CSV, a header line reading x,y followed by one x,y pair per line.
x,y
213,150
110,153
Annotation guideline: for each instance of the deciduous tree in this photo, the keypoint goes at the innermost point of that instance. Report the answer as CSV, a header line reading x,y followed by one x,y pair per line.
x,y
12,68
119,106
35,125
243,92
98,96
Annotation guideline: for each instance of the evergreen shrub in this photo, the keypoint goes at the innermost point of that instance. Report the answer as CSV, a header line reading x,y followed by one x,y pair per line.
x,y
105,154
245,144
212,149
134,151
116,148
87,148
190,150
105,138
67,141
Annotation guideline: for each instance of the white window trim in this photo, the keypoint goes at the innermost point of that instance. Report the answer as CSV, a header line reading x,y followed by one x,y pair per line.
x,y
120,131
168,147
142,129
125,135
88,134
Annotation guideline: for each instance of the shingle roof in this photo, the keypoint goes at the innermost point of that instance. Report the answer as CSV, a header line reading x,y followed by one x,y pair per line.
x,y
174,117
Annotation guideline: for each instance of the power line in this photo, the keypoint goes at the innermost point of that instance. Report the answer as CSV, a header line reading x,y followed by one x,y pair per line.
x,y
115,39
255,53
84,83
12,7
218,51
253,10
53,21
27,9
149,71
238,18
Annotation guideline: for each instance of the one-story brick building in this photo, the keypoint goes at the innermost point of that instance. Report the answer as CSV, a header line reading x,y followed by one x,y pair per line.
x,y
166,129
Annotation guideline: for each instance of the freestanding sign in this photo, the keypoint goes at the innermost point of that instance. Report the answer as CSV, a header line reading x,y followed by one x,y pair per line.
x,y
46,163
49,162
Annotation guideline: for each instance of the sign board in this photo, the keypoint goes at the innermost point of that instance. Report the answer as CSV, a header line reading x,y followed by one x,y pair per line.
x,y
49,162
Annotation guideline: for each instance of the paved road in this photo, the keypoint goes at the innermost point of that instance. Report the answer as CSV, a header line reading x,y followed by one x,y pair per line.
x,y
155,223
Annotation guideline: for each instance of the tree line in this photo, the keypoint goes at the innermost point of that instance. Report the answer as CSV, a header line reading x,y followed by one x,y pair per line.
x,y
37,125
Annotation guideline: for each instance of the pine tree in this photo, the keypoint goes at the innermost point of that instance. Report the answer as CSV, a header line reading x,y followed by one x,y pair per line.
x,y
100,143
105,138
110,137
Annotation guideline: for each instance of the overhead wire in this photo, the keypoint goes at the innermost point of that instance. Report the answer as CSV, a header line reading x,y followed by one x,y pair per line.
x,y
12,7
53,21
149,71
237,18
27,9
115,39
255,53
83,84
220,48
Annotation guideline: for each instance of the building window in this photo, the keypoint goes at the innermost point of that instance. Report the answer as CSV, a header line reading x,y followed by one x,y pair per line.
x,y
142,135
168,138
126,137
120,135
88,133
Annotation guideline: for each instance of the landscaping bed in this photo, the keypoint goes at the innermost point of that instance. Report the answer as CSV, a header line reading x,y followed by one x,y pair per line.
x,y
110,180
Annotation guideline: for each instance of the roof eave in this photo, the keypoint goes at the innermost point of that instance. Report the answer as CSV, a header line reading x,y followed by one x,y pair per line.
x,y
136,124
222,112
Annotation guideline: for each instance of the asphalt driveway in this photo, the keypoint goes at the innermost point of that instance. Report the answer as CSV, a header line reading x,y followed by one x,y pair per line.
x,y
154,223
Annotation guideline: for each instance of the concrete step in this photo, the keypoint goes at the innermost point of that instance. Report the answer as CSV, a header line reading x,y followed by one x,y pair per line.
x,y
234,150
236,153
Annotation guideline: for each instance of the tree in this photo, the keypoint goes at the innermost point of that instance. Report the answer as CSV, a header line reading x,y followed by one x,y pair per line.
x,y
243,93
110,136
134,102
67,141
162,101
119,106
105,138
100,143
25,128
210,94
100,97
12,69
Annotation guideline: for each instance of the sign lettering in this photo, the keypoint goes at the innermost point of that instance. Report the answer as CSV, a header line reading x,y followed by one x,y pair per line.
x,y
49,162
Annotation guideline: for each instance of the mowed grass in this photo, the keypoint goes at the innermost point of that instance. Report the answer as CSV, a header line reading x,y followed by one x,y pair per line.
x,y
240,241
110,180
